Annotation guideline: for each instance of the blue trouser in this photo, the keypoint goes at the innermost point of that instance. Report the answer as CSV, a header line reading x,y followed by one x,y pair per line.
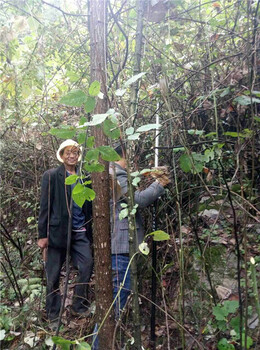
x,y
119,266
81,257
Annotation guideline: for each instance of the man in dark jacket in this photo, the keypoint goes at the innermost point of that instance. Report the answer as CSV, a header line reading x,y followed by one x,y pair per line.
x,y
53,226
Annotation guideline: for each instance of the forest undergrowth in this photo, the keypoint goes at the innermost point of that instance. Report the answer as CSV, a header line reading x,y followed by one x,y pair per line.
x,y
200,75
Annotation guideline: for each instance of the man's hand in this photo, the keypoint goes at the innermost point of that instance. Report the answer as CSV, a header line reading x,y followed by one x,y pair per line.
x,y
42,243
162,175
163,180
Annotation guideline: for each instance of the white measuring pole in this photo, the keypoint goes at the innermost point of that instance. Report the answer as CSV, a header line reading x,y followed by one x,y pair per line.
x,y
156,151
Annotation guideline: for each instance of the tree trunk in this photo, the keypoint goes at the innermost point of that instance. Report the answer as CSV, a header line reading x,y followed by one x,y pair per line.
x,y
100,181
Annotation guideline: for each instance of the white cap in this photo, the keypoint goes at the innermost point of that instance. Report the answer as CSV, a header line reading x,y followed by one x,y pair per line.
x,y
66,144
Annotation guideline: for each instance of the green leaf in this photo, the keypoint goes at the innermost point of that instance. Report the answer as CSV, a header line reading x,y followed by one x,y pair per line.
x,y
231,306
134,136
63,133
178,149
195,132
148,127
108,153
2,334
123,214
209,154
92,154
82,193
79,188
246,100
220,313
143,247
74,98
223,344
94,167
89,194
94,88
90,104
144,171
82,120
257,119
225,92
81,137
213,133
129,131
134,79
159,235
249,341
61,341
90,141
120,92
185,163
83,346
135,181
245,133
111,130
71,179
235,323
97,119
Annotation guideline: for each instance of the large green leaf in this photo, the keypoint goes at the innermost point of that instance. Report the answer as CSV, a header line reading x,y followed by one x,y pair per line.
x,y
90,104
129,131
81,137
223,344
74,98
246,100
94,167
94,88
82,193
111,130
92,154
120,92
97,119
159,235
148,127
71,179
134,79
220,313
67,133
108,153
64,343
90,141
135,136
83,346
185,163
231,306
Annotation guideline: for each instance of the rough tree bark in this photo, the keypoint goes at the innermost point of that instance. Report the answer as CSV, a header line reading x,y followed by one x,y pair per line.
x,y
100,181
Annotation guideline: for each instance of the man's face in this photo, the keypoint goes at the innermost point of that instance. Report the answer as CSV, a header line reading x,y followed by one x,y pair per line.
x,y
70,155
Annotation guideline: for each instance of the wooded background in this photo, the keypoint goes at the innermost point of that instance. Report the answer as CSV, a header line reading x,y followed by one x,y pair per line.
x,y
195,64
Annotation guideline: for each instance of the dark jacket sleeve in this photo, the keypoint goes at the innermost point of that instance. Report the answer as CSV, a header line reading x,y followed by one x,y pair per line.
x,y
43,215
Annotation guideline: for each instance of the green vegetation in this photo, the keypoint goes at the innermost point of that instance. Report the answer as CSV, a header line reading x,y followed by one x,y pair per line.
x,y
199,74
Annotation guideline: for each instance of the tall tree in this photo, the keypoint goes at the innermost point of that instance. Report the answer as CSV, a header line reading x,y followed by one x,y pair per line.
x,y
102,248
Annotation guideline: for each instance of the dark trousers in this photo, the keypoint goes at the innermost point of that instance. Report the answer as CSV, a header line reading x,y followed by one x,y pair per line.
x,y
81,257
